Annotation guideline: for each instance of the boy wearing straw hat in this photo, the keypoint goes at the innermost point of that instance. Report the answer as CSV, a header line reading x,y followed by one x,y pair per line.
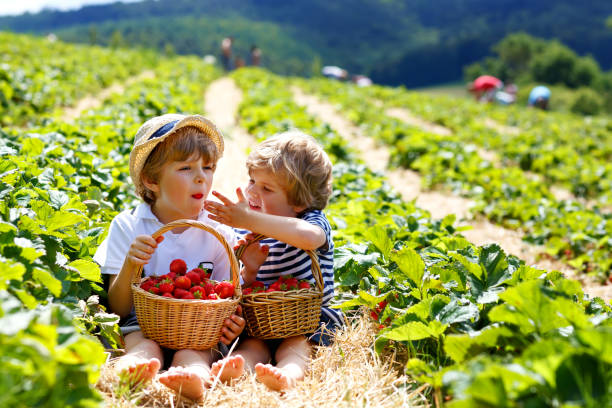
x,y
290,183
172,164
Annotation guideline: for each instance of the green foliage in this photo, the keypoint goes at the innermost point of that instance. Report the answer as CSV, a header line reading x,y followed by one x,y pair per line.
x,y
587,102
61,184
45,360
413,43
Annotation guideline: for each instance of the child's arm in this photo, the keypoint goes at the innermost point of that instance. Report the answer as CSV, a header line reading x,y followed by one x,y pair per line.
x,y
120,291
293,231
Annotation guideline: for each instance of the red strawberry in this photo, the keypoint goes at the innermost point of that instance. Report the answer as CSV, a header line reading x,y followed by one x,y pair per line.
x,y
304,284
271,289
194,277
198,291
171,275
209,288
292,283
258,284
147,284
247,291
182,282
179,293
224,289
212,296
178,266
276,286
154,290
166,286
202,273
378,310
168,295
188,296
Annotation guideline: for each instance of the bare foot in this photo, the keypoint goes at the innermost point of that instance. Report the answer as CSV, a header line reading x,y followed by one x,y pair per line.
x,y
184,381
137,371
273,377
234,367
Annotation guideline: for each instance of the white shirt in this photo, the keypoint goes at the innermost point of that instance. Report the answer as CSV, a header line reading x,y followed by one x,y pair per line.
x,y
193,245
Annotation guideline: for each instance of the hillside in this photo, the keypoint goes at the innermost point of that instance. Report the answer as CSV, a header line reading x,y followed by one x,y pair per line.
x,y
429,192
411,43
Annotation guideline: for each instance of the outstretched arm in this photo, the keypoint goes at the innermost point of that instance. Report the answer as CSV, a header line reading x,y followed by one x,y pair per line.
x,y
293,231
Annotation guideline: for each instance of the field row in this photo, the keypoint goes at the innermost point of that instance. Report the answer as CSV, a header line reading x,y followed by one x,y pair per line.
x,y
479,326
506,194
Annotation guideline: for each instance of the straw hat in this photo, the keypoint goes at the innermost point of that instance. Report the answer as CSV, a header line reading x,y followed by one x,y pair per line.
x,y
157,129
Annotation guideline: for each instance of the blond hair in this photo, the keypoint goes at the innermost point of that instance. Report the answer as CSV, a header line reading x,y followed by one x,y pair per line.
x,y
302,167
183,144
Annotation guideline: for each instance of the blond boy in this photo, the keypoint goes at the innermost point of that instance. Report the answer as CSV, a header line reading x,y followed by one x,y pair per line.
x,y
289,186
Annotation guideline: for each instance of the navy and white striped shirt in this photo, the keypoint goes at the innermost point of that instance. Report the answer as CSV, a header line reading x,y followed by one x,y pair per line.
x,y
284,259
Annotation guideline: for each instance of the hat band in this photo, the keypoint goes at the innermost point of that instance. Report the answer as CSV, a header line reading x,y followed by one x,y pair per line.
x,y
163,130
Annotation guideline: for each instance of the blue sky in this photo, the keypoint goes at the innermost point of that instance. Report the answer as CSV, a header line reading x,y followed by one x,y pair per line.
x,y
12,7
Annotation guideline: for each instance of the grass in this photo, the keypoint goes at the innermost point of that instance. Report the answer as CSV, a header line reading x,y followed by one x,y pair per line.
x,y
347,374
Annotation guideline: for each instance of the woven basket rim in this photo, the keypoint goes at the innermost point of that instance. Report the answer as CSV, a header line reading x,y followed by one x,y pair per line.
x,y
314,259
234,267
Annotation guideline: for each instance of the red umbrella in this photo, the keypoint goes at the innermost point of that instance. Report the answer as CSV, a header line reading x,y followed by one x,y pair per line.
x,y
486,82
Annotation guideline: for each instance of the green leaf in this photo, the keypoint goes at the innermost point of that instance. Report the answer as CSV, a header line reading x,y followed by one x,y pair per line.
x,y
48,280
62,219
10,272
380,238
454,313
87,270
32,147
415,331
410,264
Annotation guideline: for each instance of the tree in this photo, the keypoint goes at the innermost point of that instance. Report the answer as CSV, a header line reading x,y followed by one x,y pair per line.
x,y
116,39
516,51
586,71
554,65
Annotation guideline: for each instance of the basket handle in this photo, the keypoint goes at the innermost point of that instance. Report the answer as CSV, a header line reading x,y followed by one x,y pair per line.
x,y
314,260
234,268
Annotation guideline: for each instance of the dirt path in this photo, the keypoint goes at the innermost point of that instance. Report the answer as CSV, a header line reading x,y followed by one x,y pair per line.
x,y
95,101
221,106
439,204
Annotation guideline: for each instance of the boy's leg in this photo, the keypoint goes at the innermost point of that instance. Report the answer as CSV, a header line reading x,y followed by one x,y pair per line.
x,y
142,359
189,373
292,359
250,352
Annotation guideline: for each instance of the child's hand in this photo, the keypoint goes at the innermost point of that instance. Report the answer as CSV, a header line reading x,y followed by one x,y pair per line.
x,y
252,258
229,213
142,248
232,327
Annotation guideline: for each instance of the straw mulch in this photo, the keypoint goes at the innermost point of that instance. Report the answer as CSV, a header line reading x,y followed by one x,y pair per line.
x,y
347,374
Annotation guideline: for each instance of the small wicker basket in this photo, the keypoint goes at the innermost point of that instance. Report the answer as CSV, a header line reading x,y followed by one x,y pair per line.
x,y
179,323
275,315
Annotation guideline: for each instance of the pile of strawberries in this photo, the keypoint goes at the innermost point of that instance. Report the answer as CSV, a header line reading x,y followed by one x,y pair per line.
x,y
180,284
283,284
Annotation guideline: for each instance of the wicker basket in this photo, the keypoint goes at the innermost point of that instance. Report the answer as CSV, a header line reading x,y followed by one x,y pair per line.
x,y
180,323
275,315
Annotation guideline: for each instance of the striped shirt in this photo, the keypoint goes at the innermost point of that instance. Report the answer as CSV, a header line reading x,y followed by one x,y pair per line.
x,y
284,259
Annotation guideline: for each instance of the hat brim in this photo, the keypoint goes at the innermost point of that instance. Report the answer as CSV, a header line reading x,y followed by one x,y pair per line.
x,y
145,146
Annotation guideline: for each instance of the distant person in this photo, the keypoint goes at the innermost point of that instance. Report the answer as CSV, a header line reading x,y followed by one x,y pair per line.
x,y
484,88
507,96
333,72
539,97
255,56
361,80
226,52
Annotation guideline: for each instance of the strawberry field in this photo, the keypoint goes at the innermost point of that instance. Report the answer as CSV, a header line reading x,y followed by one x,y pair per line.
x,y
462,325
